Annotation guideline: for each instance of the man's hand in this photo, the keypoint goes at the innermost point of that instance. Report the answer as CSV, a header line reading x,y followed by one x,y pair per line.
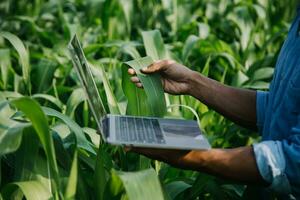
x,y
238,105
176,78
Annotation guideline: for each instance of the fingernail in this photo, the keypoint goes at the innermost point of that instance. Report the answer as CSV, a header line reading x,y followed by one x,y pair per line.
x,y
144,69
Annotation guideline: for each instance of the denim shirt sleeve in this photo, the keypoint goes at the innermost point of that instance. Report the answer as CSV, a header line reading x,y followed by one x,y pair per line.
x,y
278,162
261,104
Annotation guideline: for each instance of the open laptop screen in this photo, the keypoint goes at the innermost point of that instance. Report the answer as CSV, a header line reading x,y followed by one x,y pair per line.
x,y
86,78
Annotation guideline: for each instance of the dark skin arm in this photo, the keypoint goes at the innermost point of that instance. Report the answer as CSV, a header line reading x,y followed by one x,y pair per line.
x,y
239,105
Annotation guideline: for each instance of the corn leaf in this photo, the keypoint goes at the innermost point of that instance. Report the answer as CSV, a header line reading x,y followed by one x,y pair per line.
x,y
188,47
152,86
154,45
77,97
141,185
33,190
176,187
35,114
5,65
49,98
82,142
30,146
100,177
72,182
23,54
111,98
11,137
136,98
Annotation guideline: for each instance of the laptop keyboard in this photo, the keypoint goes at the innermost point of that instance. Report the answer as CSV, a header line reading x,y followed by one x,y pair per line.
x,y
139,130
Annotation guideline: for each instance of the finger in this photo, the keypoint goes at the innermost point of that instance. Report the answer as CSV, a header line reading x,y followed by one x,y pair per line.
x,y
131,71
135,79
157,66
139,85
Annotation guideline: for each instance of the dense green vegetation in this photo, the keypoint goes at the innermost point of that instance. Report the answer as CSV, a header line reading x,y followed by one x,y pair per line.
x,y
49,144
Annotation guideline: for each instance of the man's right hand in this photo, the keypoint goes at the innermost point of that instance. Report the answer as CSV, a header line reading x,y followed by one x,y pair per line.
x,y
176,78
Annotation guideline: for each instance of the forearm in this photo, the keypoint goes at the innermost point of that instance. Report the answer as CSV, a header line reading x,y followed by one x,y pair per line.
x,y
238,105
235,164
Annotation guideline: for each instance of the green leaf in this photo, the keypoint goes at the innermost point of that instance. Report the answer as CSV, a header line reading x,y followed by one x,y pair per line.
x,y
24,167
5,65
77,97
137,99
205,70
176,187
11,137
152,86
188,47
49,98
43,74
33,190
111,98
99,176
33,111
263,73
82,142
141,185
23,53
154,45
72,182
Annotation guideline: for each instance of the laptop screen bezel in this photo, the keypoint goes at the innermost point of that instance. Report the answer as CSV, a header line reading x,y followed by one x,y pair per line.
x,y
74,56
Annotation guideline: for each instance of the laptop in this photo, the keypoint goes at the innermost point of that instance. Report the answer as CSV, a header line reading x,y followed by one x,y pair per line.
x,y
149,132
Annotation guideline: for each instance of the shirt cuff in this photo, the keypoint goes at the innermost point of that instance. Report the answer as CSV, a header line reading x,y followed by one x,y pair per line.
x,y
261,104
271,165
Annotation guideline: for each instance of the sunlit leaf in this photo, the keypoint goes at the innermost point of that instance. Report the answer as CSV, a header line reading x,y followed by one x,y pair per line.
x,y
152,86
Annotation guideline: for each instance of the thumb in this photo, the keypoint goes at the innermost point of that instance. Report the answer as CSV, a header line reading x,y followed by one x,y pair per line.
x,y
157,66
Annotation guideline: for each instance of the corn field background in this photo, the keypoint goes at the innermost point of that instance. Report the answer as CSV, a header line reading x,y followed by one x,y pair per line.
x,y
49,145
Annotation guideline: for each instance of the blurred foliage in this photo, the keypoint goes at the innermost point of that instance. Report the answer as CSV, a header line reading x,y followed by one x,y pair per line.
x,y
49,144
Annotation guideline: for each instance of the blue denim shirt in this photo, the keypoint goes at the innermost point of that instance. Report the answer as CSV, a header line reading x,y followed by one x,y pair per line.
x,y
278,120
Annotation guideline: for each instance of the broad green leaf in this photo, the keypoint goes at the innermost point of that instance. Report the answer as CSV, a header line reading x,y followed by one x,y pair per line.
x,y
5,65
154,45
23,53
130,50
127,6
49,98
82,142
205,70
258,85
136,98
77,97
176,187
111,98
72,182
263,73
239,79
188,47
42,74
24,167
141,185
152,86
33,190
155,48
93,134
100,176
33,111
11,137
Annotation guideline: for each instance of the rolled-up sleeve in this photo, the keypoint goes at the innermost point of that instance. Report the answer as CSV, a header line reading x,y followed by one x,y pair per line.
x,y
279,162
261,105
